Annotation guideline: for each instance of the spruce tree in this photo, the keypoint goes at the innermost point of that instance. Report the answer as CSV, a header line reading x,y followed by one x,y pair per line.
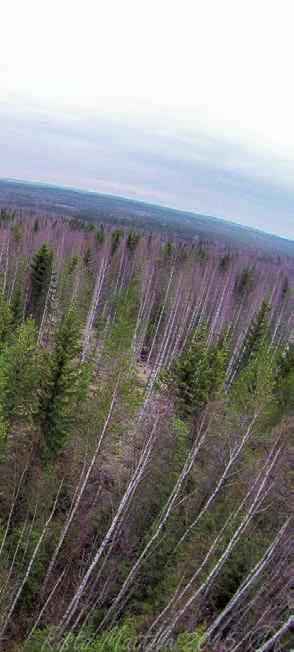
x,y
224,262
245,282
67,280
60,385
5,333
17,305
285,380
6,319
87,259
19,375
125,311
286,290
40,280
132,241
16,230
115,240
198,372
253,389
17,301
169,249
256,335
4,216
100,235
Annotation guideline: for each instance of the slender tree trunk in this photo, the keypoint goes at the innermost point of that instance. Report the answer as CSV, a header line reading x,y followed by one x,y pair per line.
x,y
111,533
30,565
165,513
166,632
94,304
248,583
270,643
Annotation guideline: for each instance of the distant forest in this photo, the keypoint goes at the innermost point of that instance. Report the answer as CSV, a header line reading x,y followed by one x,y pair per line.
x,y
116,210
146,424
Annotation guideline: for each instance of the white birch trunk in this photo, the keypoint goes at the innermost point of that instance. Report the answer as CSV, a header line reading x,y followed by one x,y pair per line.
x,y
165,513
161,315
166,633
111,533
270,643
94,304
79,493
248,583
30,565
233,457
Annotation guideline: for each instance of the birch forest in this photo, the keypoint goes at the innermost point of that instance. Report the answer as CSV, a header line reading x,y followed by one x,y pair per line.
x,y
146,416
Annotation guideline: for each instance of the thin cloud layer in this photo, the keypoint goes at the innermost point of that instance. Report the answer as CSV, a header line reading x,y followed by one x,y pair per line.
x,y
143,162
187,104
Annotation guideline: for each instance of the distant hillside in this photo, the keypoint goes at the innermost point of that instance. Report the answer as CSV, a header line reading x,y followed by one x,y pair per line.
x,y
106,208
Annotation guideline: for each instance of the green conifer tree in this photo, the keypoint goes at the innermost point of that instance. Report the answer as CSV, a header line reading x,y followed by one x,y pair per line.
x,y
87,259
40,280
169,249
253,389
17,304
286,290
6,319
285,381
125,308
256,335
245,282
60,385
115,240
132,241
67,280
198,372
20,375
224,262
16,230
4,215
17,301
100,235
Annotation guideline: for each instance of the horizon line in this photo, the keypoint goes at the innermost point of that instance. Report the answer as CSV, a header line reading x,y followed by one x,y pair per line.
x,y
148,203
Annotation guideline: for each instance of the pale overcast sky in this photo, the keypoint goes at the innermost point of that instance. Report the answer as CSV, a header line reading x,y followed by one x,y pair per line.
x,y
186,103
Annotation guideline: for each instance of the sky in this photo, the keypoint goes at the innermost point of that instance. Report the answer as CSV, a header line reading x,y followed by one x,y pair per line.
x,y
188,104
